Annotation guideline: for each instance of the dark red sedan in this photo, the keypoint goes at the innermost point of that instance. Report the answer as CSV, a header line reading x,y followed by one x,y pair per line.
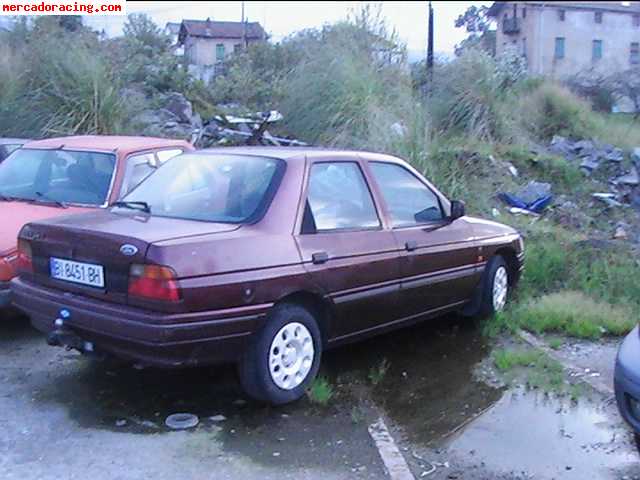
x,y
264,257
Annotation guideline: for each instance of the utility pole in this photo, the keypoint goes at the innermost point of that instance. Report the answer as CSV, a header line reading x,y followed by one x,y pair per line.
x,y
430,47
244,29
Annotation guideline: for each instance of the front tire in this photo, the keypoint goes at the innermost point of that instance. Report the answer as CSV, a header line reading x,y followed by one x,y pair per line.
x,y
495,287
283,358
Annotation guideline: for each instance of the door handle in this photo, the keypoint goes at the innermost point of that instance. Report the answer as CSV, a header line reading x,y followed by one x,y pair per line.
x,y
320,257
411,245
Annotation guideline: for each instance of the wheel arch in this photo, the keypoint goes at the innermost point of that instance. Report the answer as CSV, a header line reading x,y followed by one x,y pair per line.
x,y
319,306
511,259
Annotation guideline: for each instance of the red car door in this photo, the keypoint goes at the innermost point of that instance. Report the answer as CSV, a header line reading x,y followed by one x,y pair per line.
x,y
439,256
347,249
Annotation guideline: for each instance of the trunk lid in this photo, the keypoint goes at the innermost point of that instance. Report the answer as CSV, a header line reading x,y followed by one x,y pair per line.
x,y
98,238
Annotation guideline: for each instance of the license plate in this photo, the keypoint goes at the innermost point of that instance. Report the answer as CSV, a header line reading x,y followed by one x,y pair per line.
x,y
77,272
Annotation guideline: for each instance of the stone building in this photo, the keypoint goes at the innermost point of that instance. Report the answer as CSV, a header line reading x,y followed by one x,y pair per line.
x,y
561,39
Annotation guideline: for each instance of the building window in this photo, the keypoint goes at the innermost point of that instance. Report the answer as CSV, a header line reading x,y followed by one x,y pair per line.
x,y
524,12
237,48
598,17
524,47
559,50
596,50
636,20
561,15
220,52
634,53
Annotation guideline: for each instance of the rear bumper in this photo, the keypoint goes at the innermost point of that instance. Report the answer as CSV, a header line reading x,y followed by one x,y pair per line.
x,y
5,300
627,379
150,338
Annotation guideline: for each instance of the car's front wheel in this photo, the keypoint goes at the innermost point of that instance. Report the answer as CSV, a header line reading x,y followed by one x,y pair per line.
x,y
283,358
495,287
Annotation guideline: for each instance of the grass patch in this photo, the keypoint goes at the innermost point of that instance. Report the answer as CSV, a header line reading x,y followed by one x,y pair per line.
x,y
575,314
377,374
321,391
555,343
505,359
540,371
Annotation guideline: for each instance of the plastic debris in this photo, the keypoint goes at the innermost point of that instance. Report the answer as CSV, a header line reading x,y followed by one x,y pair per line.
x,y
181,421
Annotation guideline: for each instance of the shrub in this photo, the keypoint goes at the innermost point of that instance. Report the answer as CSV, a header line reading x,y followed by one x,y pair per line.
x,y
350,87
467,98
80,94
552,109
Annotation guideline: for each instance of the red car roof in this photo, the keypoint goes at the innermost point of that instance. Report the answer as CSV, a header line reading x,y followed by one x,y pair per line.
x,y
108,143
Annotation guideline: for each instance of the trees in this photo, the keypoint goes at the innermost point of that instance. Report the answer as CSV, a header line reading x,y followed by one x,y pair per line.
x,y
477,24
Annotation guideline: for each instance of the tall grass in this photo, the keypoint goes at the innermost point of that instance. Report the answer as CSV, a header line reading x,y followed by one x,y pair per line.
x,y
79,95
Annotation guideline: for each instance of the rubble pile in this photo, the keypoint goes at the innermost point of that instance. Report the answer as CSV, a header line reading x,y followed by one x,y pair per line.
x,y
176,118
595,157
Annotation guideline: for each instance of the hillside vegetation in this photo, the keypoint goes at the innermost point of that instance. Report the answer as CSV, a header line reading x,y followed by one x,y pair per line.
x,y
348,85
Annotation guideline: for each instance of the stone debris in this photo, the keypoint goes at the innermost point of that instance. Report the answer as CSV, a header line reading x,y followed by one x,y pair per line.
x,y
607,198
621,231
630,178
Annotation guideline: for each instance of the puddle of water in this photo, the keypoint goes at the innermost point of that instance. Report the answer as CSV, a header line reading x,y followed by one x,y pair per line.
x,y
429,388
555,438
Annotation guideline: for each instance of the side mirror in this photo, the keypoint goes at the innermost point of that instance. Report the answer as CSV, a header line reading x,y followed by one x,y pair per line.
x,y
457,209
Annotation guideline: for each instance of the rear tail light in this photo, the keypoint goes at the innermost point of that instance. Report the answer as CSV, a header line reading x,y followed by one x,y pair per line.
x,y
25,260
6,270
154,282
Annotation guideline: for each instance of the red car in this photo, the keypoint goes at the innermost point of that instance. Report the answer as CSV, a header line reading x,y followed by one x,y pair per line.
x,y
60,176
264,257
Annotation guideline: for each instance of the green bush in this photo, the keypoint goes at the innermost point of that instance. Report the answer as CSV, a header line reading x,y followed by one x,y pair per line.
x,y
552,109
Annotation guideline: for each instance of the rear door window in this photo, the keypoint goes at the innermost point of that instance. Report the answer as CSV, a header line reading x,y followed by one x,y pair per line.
x,y
339,198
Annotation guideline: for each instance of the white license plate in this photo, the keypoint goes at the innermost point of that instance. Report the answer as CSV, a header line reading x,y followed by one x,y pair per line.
x,y
77,272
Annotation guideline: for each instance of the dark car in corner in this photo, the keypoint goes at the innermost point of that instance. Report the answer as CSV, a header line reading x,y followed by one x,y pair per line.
x,y
263,257
627,381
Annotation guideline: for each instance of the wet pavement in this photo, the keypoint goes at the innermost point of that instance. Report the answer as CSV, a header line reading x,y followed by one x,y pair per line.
x,y
66,416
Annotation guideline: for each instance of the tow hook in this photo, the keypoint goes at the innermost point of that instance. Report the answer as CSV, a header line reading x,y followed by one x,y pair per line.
x,y
63,337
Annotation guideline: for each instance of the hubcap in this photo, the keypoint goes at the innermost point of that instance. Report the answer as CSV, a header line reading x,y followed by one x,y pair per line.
x,y
500,288
291,356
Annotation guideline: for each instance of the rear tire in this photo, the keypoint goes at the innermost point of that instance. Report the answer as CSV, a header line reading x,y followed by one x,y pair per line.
x,y
495,287
283,358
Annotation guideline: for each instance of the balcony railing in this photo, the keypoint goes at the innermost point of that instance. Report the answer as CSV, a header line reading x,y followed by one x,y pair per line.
x,y
511,25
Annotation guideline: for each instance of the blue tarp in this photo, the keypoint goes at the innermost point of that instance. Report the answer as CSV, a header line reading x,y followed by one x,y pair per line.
x,y
537,206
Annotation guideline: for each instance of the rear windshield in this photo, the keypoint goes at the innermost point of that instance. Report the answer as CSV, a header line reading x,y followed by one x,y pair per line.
x,y
214,188
57,175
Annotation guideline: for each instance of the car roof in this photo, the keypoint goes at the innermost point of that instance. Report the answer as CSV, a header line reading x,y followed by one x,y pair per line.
x,y
293,153
13,141
107,143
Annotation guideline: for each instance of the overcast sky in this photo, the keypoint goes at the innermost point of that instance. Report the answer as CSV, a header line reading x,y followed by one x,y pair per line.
x,y
282,18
